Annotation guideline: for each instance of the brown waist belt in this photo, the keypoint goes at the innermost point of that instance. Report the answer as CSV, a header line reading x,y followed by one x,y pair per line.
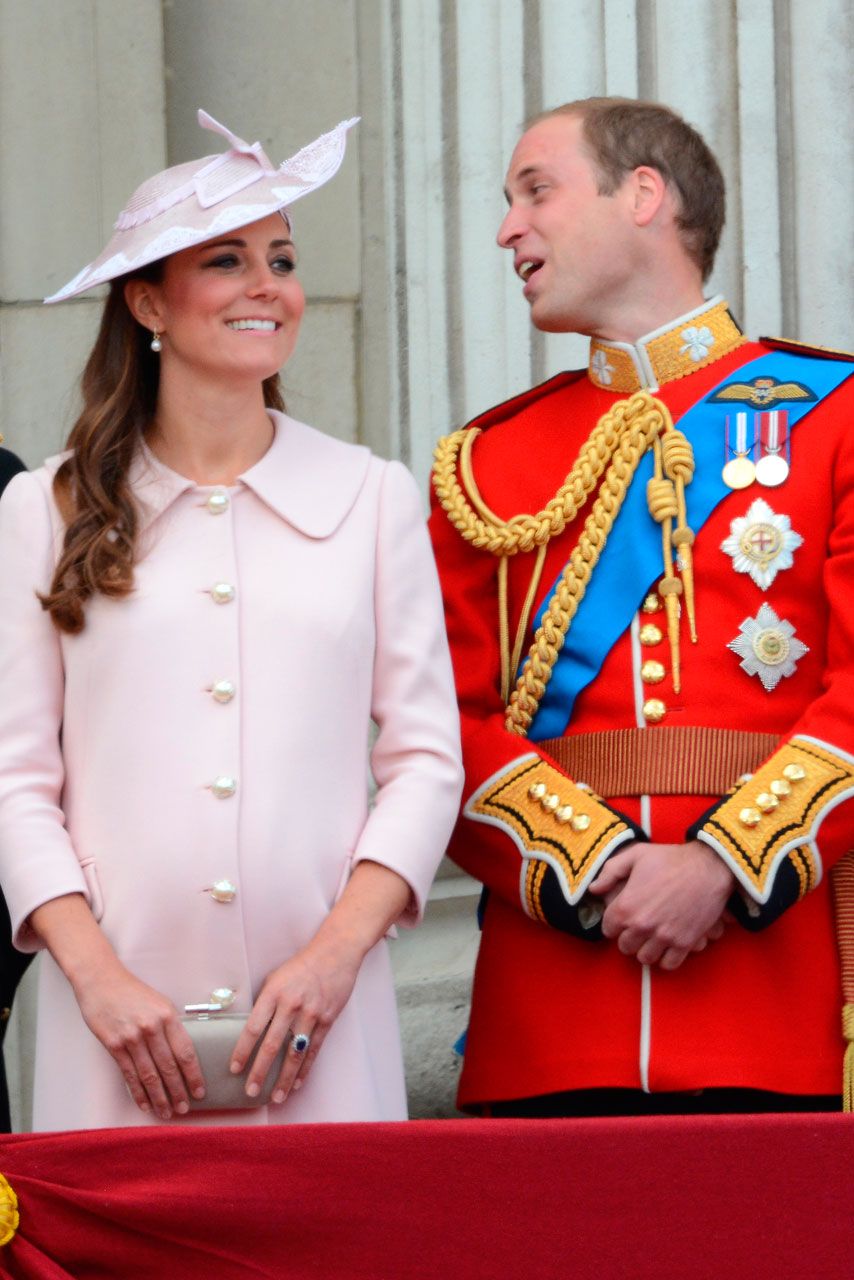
x,y
676,760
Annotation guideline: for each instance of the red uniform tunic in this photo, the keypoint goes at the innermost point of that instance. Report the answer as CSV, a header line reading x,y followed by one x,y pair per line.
x,y
553,1012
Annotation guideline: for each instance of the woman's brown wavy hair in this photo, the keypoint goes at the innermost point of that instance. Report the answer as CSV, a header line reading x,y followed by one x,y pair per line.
x,y
119,387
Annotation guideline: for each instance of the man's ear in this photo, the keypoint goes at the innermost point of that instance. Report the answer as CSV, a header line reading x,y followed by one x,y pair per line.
x,y
143,302
649,194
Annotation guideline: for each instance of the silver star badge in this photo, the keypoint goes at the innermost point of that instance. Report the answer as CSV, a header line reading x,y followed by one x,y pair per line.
x,y
761,543
767,647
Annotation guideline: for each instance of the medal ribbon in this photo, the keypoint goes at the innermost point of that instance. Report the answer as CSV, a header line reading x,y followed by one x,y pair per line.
x,y
772,437
631,558
741,447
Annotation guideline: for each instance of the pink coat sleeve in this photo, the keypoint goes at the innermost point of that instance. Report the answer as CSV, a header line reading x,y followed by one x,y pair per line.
x,y
37,861
416,758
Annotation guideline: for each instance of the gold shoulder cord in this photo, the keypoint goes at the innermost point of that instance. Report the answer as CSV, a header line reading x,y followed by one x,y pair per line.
x,y
843,891
611,453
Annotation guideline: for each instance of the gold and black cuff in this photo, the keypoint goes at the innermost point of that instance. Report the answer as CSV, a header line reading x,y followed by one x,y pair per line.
x,y
564,834
765,828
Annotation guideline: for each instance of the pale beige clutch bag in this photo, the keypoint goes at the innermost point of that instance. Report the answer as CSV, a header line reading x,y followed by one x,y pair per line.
x,y
214,1036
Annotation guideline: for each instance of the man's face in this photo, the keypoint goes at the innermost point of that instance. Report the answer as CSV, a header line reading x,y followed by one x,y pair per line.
x,y
574,248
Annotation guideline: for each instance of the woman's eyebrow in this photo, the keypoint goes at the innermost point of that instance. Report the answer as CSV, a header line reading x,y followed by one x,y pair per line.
x,y
241,244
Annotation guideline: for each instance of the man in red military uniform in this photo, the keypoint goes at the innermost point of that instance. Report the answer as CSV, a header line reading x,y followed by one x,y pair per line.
x,y
648,568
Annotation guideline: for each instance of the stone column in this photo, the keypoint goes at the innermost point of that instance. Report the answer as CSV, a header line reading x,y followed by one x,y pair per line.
x,y
81,124
283,73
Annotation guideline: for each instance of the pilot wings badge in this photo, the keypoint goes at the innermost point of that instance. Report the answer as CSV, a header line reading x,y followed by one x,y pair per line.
x,y
762,393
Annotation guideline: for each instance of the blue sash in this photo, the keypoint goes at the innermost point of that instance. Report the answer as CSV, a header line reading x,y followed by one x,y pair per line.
x,y
631,559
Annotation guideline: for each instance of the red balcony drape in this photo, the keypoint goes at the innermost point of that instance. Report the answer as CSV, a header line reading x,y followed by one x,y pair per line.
x,y
765,1198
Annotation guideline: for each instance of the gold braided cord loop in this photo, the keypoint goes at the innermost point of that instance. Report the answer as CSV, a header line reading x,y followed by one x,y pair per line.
x,y
9,1217
678,462
636,423
842,878
663,506
678,457
613,449
661,500
523,532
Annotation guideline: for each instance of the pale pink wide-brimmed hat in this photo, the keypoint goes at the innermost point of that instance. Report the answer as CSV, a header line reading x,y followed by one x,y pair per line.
x,y
194,202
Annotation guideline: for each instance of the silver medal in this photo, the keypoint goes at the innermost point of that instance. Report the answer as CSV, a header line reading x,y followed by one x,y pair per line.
x,y
771,470
773,467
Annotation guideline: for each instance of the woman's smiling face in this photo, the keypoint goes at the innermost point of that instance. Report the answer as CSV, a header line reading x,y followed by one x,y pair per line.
x,y
230,307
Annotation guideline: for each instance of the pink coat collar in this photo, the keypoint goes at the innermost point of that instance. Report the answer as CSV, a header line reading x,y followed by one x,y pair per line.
x,y
309,479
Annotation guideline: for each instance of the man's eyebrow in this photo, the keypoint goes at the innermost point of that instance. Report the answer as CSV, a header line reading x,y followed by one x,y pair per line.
x,y
530,171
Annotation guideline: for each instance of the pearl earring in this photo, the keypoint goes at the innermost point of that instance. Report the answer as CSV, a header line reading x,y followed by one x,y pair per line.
x,y
156,344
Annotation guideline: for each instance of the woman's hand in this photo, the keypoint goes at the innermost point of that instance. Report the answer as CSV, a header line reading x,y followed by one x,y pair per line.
x,y
142,1031
304,996
134,1023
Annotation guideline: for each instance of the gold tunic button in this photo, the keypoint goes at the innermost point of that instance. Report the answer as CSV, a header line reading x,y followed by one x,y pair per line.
x,y
564,813
537,790
766,802
217,502
653,672
224,786
223,996
780,787
223,690
750,817
581,821
223,891
794,773
650,634
652,603
222,593
550,803
654,710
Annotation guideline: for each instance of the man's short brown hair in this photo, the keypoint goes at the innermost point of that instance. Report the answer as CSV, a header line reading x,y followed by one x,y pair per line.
x,y
623,133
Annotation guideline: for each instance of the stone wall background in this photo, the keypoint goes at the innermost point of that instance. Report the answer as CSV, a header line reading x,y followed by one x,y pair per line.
x,y
414,319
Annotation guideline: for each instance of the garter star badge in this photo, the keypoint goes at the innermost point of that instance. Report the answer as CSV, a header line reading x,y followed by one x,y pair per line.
x,y
767,647
761,543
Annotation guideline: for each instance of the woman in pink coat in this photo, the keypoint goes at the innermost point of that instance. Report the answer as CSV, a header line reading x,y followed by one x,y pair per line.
x,y
204,604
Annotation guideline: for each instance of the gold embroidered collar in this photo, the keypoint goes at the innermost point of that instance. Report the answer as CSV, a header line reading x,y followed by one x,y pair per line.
x,y
688,344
